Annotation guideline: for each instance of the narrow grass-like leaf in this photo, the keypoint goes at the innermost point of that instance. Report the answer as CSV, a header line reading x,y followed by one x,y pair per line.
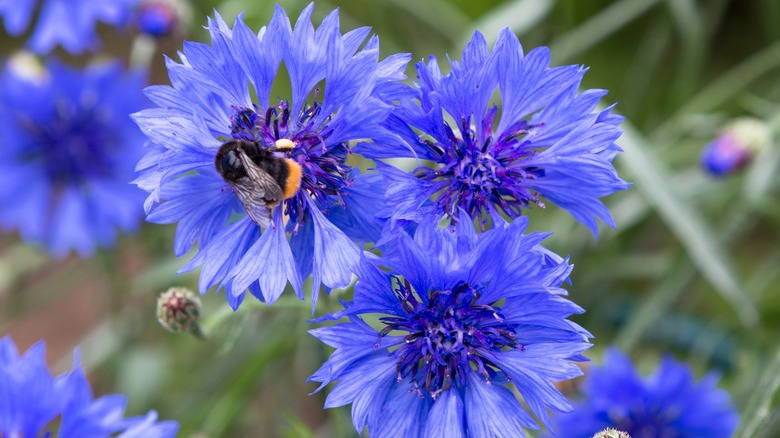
x,y
227,407
655,306
519,15
690,25
598,27
440,15
296,428
763,171
652,180
758,407
725,87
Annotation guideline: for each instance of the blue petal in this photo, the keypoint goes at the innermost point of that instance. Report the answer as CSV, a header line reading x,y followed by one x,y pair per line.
x,y
374,292
30,399
75,38
219,257
260,56
359,217
370,370
68,230
492,410
16,15
446,417
407,197
148,427
302,245
534,368
270,262
335,257
307,56
404,414
216,62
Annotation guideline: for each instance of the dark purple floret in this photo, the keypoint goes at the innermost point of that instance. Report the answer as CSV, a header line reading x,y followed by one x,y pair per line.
x,y
72,147
646,421
483,177
450,335
324,172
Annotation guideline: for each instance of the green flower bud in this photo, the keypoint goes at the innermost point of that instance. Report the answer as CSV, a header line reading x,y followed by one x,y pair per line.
x,y
178,310
611,433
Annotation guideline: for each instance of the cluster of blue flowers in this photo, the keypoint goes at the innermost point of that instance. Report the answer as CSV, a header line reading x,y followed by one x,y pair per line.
x,y
68,151
456,310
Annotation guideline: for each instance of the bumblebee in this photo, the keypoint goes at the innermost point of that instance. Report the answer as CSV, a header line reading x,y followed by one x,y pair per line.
x,y
261,177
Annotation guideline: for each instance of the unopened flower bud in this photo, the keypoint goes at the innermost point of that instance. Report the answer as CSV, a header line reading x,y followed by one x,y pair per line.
x,y
611,433
160,18
735,146
178,310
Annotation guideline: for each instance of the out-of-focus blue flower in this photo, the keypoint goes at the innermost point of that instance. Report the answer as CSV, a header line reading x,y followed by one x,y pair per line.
x,y
464,317
668,403
30,398
68,148
222,91
68,23
546,140
724,155
160,18
156,19
735,146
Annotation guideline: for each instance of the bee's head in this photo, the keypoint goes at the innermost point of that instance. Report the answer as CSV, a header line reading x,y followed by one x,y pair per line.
x,y
228,162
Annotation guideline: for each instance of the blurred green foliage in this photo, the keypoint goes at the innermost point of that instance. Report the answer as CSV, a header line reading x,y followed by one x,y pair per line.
x,y
692,267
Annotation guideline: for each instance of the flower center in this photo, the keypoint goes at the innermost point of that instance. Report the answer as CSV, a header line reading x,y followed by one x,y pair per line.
x,y
72,147
646,422
449,335
483,177
323,168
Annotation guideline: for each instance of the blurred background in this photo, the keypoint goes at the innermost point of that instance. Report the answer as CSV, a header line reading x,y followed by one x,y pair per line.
x,y
692,269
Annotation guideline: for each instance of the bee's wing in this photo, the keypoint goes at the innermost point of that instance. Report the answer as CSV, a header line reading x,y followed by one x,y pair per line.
x,y
258,192
251,197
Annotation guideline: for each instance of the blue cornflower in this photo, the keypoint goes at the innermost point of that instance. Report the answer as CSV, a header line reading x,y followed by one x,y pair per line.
x,y
668,403
220,93
68,151
465,318
69,23
545,141
30,398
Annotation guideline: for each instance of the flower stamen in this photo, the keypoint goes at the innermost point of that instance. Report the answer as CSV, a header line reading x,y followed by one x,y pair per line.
x,y
449,335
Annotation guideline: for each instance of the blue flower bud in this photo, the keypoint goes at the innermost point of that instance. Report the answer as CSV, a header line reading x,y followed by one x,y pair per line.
x,y
734,147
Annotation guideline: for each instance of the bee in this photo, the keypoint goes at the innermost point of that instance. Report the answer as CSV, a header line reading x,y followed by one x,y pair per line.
x,y
260,177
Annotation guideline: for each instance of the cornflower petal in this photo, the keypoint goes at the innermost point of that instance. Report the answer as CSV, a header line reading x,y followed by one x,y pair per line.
x,y
81,16
272,257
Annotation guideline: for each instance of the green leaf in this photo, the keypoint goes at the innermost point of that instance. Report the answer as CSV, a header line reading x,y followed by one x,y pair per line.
x,y
652,180
598,27
758,407
519,15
